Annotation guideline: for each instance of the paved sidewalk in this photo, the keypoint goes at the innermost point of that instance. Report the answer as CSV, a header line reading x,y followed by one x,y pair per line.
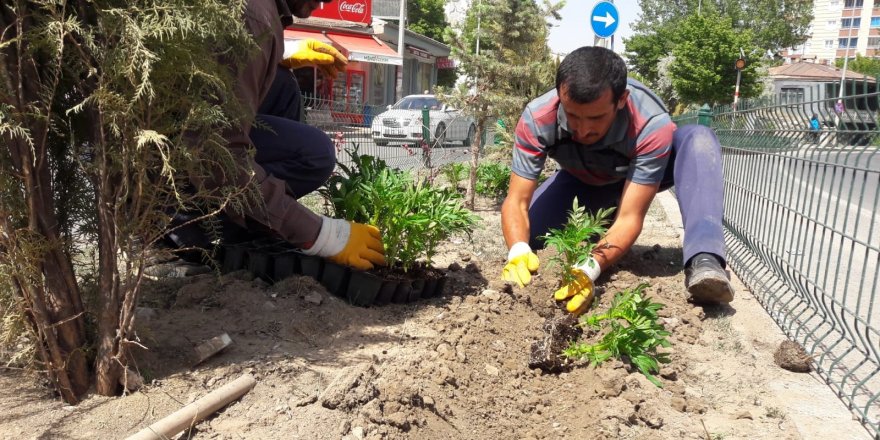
x,y
806,400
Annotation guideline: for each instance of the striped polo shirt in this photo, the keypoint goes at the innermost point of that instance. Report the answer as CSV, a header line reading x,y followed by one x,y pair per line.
x,y
637,146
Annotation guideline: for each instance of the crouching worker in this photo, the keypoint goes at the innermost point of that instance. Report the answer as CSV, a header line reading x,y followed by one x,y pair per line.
x,y
616,147
292,159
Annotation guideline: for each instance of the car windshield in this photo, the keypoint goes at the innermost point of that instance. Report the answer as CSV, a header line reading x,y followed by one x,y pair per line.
x,y
418,103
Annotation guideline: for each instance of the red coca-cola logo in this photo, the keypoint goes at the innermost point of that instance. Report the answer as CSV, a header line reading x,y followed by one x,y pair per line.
x,y
357,11
355,8
353,11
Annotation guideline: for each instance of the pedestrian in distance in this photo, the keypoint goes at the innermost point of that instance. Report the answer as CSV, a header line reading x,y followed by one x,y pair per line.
x,y
616,146
815,128
292,159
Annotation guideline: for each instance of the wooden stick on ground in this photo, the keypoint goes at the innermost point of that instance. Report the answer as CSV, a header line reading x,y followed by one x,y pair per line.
x,y
195,412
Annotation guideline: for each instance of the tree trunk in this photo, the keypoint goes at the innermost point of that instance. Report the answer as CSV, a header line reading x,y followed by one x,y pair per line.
x,y
53,298
476,147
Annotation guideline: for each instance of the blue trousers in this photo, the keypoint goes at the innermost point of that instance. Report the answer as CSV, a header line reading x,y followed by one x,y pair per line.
x,y
299,154
695,169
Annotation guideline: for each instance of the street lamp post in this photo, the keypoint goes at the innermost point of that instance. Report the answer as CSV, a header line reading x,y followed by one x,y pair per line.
x,y
740,64
843,75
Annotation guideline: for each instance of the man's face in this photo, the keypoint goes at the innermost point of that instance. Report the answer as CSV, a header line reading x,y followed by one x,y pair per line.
x,y
590,122
302,8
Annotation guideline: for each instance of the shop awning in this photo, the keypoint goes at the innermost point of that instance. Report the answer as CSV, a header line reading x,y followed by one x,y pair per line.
x,y
355,47
296,34
365,48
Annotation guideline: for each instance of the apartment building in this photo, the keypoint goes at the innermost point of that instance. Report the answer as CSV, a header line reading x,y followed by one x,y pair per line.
x,y
840,29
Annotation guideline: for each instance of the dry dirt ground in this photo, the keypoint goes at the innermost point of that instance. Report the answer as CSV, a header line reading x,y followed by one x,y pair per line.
x,y
449,367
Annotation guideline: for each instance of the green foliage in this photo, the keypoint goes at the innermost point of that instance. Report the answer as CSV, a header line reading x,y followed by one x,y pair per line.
x,y
864,65
776,25
574,242
632,334
111,113
493,179
703,71
413,216
454,173
756,26
427,18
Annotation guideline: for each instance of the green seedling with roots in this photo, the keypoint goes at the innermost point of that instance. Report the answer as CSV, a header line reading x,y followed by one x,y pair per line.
x,y
631,333
574,242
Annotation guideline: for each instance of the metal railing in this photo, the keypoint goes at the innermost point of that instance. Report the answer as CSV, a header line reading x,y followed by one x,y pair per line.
x,y
417,139
803,231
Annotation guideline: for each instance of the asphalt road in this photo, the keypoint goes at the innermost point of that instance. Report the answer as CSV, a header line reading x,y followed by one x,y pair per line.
x,y
816,210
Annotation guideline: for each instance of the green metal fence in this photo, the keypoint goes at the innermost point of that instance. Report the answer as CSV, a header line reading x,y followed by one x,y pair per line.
x,y
802,227
418,137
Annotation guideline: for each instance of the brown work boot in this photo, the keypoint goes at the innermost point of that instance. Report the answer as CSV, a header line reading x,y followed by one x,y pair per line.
x,y
707,281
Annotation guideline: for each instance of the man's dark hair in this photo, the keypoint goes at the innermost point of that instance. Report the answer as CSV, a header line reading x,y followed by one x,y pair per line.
x,y
588,71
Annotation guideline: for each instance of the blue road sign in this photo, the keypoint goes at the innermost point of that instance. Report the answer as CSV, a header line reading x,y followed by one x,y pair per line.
x,y
604,19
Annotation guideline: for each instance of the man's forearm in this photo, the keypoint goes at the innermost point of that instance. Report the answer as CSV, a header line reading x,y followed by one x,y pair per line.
x,y
514,223
616,242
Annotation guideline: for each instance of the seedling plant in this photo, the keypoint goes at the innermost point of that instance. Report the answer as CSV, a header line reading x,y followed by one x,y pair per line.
x,y
631,333
454,173
574,242
493,179
414,216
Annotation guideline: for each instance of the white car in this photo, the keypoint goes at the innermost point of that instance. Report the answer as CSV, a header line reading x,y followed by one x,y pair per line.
x,y
402,123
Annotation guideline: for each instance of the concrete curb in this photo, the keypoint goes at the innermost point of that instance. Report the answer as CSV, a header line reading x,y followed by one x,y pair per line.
x,y
807,401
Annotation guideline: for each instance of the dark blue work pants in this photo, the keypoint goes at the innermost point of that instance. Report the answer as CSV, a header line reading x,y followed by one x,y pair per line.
x,y
299,154
695,169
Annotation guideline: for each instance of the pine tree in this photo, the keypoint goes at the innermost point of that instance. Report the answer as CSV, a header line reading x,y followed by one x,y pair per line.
x,y
111,114
514,65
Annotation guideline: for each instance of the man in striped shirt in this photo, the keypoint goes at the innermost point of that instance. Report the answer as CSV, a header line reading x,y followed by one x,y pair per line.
x,y
616,146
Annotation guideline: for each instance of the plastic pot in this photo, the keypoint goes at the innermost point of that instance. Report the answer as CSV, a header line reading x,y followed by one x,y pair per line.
x,y
335,278
286,264
363,288
311,266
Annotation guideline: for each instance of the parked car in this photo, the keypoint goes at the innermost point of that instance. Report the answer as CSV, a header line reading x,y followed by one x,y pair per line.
x,y
402,123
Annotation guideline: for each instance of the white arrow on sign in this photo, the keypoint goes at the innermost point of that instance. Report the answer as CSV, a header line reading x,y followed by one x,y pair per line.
x,y
607,19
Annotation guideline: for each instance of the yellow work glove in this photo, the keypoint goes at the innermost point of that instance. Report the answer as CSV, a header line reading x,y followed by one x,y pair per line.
x,y
521,264
348,243
310,52
580,292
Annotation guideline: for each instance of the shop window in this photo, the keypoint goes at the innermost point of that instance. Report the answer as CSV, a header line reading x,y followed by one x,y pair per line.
x,y
425,77
792,95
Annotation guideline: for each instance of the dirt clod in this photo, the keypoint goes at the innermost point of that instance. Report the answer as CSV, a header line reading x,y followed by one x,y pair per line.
x,y
351,388
792,357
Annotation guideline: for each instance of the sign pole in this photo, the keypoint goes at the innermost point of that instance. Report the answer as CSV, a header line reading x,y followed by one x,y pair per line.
x,y
604,20
400,45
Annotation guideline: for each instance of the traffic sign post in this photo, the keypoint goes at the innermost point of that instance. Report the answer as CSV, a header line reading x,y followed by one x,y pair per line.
x,y
604,19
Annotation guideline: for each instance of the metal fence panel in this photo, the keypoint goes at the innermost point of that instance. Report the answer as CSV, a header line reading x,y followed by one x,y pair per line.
x,y
415,138
803,231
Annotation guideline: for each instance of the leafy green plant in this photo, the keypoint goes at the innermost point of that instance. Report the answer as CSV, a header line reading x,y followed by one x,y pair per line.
x,y
632,333
574,241
454,173
493,179
414,216
345,190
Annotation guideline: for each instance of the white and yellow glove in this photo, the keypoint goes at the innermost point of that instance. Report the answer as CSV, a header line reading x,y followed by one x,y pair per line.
x,y
521,264
580,292
311,52
348,243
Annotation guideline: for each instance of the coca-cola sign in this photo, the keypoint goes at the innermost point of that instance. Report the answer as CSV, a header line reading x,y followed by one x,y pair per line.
x,y
358,11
